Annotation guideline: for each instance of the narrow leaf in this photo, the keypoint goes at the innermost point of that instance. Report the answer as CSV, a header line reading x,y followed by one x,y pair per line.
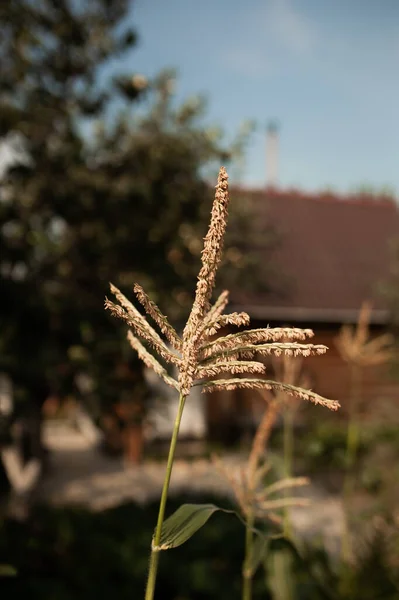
x,y
186,521
257,555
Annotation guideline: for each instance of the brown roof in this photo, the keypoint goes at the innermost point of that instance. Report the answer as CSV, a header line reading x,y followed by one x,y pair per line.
x,y
332,254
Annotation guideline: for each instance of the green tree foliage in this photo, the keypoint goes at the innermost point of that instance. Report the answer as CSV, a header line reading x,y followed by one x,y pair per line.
x,y
50,54
75,553
116,190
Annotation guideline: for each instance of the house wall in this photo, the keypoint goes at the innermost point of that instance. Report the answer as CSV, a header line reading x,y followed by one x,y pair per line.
x,y
379,390
229,414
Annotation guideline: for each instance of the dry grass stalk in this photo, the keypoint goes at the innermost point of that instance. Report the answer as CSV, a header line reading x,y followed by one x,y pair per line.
x,y
254,336
288,369
237,319
253,498
150,361
359,351
233,367
356,346
196,355
152,309
216,310
199,357
260,441
269,384
128,313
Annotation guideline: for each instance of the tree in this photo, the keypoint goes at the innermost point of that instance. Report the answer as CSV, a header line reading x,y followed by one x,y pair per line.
x,y
50,53
128,200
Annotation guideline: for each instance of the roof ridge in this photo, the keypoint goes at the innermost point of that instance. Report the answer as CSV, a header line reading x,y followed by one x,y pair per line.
x,y
355,198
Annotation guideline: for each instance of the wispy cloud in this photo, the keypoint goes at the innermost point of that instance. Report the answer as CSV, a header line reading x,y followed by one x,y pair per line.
x,y
291,29
269,34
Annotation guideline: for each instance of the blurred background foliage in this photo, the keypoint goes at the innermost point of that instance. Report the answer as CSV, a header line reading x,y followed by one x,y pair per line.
x,y
110,179
73,553
110,183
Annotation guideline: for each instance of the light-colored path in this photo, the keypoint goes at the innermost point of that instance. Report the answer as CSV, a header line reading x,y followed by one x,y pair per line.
x,y
82,475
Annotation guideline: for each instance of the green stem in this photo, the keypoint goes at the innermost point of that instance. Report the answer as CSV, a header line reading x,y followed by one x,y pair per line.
x,y
246,572
352,444
288,459
154,559
352,439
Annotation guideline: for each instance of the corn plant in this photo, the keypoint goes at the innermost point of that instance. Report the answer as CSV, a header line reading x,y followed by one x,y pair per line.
x,y
360,352
200,358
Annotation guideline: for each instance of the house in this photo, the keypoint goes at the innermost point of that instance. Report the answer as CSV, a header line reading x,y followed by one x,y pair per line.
x,y
332,253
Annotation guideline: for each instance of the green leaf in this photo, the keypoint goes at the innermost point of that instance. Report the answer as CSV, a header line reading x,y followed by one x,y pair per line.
x,y
186,521
7,571
258,554
280,574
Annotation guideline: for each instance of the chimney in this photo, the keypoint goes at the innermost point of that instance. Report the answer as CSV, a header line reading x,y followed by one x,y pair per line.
x,y
272,153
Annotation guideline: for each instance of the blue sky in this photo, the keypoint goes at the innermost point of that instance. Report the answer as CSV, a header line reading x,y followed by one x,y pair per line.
x,y
328,70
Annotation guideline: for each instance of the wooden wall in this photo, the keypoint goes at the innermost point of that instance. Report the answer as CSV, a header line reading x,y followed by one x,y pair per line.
x,y
231,413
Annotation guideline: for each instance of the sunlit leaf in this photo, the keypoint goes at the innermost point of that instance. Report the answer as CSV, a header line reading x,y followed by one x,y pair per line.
x,y
258,554
186,521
